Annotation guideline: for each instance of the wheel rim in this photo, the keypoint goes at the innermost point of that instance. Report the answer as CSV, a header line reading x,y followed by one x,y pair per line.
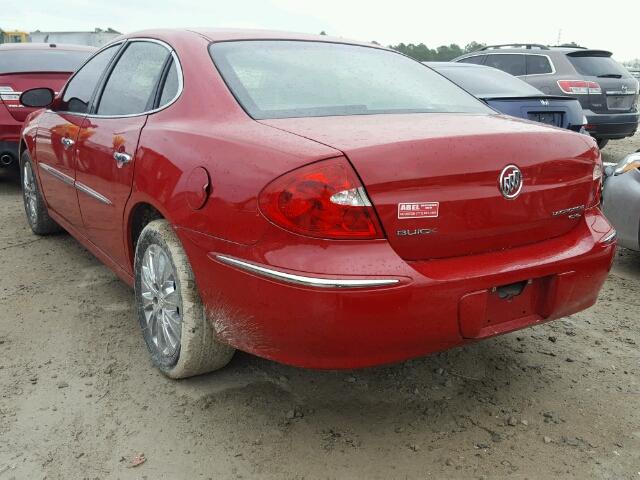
x,y
161,301
29,192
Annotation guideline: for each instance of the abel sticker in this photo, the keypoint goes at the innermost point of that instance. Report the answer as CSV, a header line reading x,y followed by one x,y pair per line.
x,y
418,210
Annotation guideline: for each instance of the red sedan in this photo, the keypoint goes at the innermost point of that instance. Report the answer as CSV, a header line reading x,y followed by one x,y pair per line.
x,y
24,66
322,203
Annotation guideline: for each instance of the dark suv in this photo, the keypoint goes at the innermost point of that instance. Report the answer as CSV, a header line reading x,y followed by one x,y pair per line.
x,y
607,91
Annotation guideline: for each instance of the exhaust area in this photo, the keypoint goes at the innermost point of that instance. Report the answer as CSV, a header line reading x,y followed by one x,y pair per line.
x,y
6,159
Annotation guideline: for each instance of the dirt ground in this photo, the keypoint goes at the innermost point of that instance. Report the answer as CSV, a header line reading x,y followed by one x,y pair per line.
x,y
80,400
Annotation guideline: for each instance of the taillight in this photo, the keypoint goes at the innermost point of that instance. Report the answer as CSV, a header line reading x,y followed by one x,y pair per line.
x,y
579,87
323,200
596,186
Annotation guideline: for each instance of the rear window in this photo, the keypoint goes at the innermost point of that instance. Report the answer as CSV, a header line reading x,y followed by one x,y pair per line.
x,y
487,82
597,66
284,79
20,61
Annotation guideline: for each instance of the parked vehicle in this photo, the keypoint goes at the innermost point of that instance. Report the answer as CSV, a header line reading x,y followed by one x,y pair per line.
x,y
607,91
621,200
314,201
24,66
512,96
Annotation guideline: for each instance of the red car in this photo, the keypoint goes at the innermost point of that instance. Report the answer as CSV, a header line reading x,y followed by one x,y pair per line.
x,y
318,202
24,66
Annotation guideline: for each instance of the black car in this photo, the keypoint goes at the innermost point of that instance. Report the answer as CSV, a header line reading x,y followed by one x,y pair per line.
x,y
607,91
512,96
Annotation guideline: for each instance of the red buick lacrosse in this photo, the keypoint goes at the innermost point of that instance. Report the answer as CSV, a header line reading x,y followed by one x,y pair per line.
x,y
318,202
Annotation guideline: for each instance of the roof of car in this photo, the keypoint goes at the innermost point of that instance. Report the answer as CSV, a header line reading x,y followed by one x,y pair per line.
x,y
229,34
46,46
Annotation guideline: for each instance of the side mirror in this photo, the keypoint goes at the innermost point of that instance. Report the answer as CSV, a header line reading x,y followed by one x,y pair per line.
x,y
37,97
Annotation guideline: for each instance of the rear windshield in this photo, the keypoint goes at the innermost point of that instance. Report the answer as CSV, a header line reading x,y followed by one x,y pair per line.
x,y
486,82
597,66
284,79
19,61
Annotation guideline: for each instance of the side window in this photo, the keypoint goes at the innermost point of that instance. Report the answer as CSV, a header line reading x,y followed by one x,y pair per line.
x,y
78,94
130,86
477,59
171,85
537,64
510,63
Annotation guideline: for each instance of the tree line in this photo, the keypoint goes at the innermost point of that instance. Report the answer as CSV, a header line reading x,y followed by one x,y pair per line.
x,y
443,53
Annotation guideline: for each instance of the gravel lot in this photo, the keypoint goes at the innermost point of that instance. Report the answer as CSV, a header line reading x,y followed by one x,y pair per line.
x,y
79,398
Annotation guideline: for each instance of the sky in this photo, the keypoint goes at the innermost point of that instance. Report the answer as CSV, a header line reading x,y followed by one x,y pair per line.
x,y
389,22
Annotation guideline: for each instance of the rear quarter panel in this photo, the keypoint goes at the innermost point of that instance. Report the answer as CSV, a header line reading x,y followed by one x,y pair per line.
x,y
207,128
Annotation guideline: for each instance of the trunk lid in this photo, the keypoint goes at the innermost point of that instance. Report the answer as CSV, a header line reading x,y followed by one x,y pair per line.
x,y
433,178
13,84
558,111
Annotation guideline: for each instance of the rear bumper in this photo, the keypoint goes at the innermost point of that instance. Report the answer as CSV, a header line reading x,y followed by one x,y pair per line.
x,y
435,305
621,205
611,126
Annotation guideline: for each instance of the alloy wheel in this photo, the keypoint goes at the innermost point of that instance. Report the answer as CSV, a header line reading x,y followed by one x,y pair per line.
x,y
161,301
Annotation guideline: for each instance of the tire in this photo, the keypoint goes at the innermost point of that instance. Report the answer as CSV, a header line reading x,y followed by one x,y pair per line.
x,y
166,294
35,208
602,142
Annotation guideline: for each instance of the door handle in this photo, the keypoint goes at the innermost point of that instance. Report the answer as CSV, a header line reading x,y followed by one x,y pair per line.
x,y
121,158
66,142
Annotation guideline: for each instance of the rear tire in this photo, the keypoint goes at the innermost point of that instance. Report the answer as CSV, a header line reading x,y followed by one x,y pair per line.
x,y
602,142
35,207
172,317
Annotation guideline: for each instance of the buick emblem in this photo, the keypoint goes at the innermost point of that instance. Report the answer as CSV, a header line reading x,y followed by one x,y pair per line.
x,y
624,88
544,102
510,182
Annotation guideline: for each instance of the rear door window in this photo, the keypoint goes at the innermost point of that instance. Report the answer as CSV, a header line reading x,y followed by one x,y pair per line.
x,y
538,65
78,93
132,82
171,85
510,63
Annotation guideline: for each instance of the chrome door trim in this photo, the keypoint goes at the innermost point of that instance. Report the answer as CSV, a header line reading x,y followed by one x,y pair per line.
x,y
57,174
306,280
92,193
67,180
176,61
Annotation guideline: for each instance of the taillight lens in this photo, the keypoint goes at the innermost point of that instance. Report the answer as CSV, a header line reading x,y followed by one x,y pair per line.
x,y
596,187
323,200
579,87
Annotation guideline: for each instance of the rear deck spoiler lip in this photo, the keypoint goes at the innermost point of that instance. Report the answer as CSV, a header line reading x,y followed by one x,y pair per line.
x,y
590,53
539,97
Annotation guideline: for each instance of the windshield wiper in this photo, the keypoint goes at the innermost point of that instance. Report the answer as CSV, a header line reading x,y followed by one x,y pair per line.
x,y
610,75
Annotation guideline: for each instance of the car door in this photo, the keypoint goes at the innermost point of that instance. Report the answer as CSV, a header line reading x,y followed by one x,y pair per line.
x,y
108,142
58,131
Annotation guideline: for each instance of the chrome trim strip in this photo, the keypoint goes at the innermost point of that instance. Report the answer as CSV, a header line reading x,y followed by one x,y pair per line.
x,y
92,193
63,177
66,179
609,238
304,280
